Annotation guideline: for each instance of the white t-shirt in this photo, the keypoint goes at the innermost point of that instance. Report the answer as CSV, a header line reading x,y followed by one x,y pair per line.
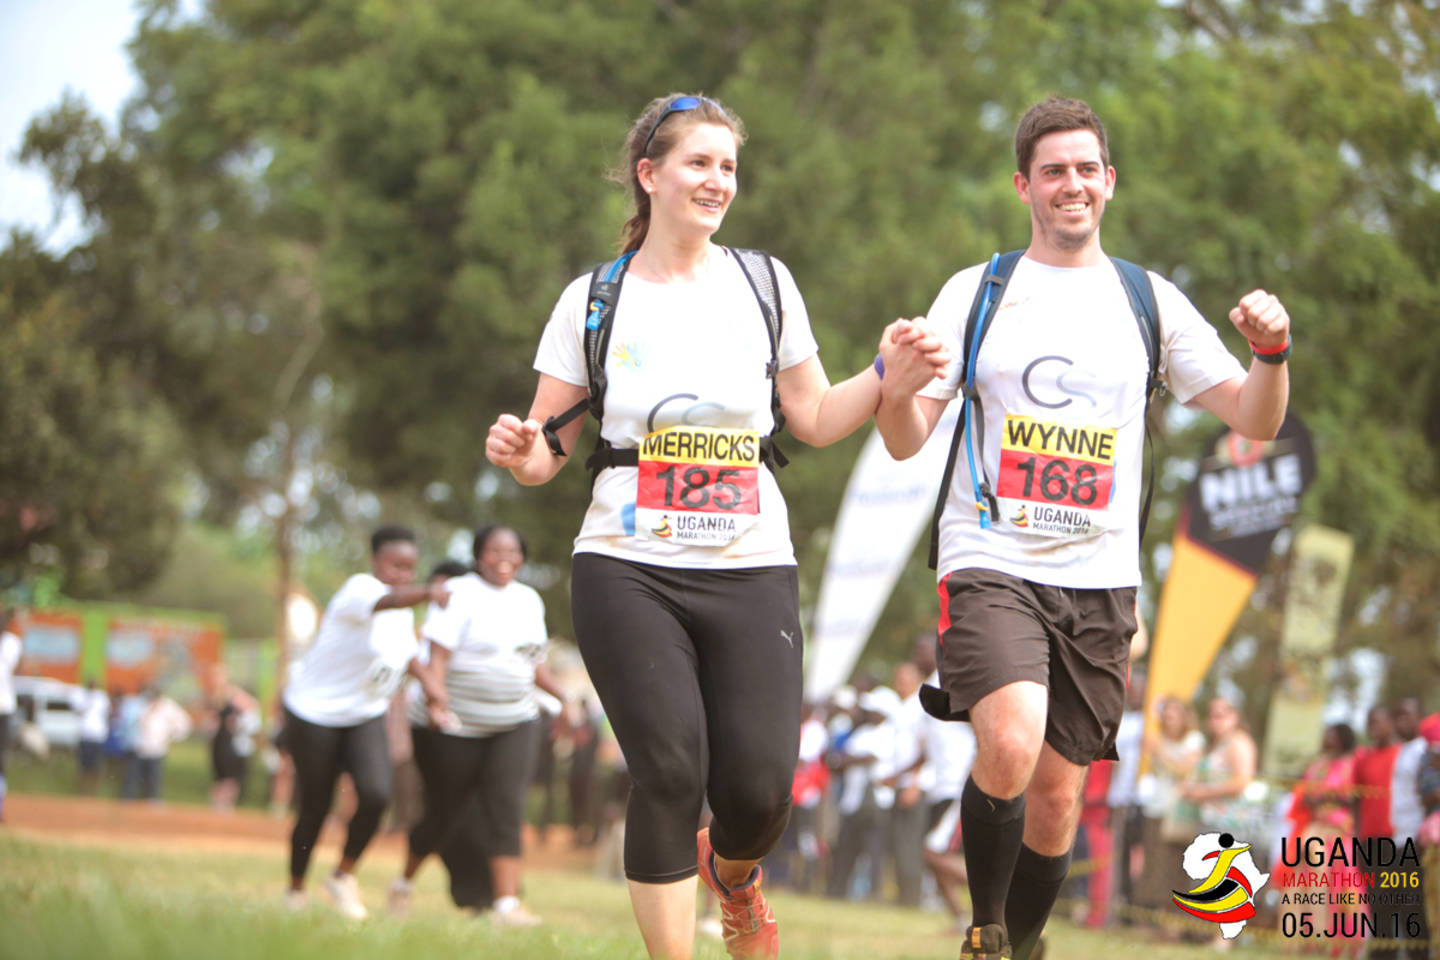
x,y
357,660
909,723
691,354
94,709
10,647
868,740
496,636
1126,788
949,754
1406,810
814,738
1062,378
162,723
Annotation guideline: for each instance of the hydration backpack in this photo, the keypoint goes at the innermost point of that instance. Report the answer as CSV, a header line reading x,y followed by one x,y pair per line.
x,y
605,282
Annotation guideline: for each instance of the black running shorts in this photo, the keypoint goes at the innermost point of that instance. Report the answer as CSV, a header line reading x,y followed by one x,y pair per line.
x,y
996,629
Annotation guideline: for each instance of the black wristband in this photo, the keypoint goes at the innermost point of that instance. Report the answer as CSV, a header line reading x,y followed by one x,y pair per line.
x,y
1274,358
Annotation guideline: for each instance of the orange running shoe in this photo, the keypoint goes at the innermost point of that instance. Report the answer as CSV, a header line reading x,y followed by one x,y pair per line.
x,y
748,927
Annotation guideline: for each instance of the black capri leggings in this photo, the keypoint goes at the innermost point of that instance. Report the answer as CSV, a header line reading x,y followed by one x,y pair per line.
x,y
699,672
454,769
321,754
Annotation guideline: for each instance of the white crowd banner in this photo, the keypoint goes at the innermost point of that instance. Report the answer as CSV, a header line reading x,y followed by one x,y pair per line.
x,y
887,506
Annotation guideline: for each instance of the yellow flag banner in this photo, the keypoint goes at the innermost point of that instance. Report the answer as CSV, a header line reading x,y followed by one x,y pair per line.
x,y
1244,493
1319,567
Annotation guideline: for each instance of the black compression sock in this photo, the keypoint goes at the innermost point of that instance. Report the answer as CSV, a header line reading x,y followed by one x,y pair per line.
x,y
991,831
1032,894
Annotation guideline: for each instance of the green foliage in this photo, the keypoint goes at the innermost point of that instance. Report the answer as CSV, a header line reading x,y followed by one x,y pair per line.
x,y
207,569
87,480
400,190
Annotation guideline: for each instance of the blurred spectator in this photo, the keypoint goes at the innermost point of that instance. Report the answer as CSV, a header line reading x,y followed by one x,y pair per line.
x,y
1216,786
584,780
9,657
812,780
1099,841
612,777
115,743
1172,750
407,802
1324,799
905,833
863,801
1127,820
1374,766
1407,813
408,794
1323,808
949,754
479,736
807,786
552,733
131,707
234,720
161,723
92,707
1428,836
335,700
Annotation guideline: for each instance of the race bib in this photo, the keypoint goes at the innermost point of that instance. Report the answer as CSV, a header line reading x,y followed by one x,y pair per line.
x,y
1056,479
698,486
383,679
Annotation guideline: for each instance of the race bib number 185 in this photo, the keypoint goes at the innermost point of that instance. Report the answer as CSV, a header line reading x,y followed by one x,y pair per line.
x,y
698,486
1055,478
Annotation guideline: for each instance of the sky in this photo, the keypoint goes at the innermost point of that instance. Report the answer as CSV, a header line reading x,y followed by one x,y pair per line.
x,y
46,47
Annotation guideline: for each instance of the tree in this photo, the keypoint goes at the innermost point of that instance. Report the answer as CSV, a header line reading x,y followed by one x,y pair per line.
x,y
88,491
417,181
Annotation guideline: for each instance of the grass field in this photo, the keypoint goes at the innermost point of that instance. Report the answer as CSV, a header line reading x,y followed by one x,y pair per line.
x,y
130,901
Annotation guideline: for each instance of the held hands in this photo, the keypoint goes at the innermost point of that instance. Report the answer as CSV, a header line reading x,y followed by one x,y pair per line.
x,y
442,718
511,441
912,355
1261,318
439,595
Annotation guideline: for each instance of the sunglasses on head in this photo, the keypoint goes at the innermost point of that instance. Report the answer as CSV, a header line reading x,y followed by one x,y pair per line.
x,y
678,105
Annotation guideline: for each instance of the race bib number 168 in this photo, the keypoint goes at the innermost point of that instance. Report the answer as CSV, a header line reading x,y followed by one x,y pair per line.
x,y
1056,479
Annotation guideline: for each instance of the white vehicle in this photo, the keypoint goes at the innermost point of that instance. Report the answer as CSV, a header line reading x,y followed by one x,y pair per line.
x,y
54,704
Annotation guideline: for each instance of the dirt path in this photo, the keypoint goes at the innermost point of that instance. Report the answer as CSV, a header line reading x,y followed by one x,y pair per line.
x,y
107,822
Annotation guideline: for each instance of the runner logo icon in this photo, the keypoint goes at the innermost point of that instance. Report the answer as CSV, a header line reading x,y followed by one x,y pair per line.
x,y
1228,879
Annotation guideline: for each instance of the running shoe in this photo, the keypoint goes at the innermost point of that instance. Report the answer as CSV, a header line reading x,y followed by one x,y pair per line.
x,y
296,900
516,916
397,900
986,943
344,889
749,928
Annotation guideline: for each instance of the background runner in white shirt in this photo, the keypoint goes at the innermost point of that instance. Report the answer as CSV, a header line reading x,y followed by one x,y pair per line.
x,y
335,700
10,648
1037,612
487,646
695,650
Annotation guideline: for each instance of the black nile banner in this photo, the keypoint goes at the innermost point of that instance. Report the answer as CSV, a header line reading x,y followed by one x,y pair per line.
x,y
1248,490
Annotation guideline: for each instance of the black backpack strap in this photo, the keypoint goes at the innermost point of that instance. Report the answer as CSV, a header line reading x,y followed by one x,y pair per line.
x,y
989,293
1141,293
605,283
759,270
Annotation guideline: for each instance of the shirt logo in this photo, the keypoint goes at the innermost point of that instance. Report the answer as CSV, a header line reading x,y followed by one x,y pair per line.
x,y
631,355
